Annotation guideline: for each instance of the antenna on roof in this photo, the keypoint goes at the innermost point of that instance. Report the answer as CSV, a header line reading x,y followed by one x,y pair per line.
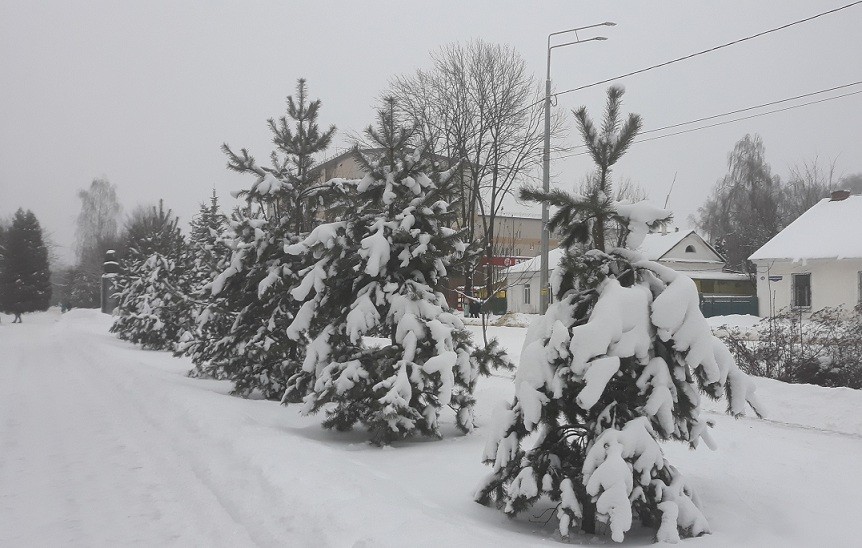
x,y
667,198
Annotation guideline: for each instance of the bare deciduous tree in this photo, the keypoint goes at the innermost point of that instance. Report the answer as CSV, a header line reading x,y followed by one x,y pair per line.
x,y
852,182
98,219
97,230
478,103
807,184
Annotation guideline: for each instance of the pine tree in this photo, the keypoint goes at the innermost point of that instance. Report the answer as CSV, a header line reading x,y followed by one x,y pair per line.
x,y
209,254
25,284
377,273
259,352
616,365
152,286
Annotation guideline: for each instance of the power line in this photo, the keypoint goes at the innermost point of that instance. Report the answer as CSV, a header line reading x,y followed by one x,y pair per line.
x,y
746,109
792,107
691,55
709,50
769,104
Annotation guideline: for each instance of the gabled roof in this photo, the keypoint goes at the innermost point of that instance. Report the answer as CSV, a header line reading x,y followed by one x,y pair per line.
x,y
829,230
656,244
654,247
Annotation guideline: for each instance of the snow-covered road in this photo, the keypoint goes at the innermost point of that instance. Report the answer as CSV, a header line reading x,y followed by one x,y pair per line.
x,y
92,454
102,444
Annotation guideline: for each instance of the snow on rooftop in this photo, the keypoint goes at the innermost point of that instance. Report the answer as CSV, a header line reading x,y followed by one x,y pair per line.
x,y
535,264
829,230
713,275
656,244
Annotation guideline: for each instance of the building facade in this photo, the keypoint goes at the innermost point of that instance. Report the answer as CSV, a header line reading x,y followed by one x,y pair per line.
x,y
816,261
684,251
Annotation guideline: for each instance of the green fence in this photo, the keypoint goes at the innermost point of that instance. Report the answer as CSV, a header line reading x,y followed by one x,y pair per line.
x,y
723,305
496,306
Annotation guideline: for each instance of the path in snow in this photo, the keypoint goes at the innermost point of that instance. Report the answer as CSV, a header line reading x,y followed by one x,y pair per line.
x,y
88,455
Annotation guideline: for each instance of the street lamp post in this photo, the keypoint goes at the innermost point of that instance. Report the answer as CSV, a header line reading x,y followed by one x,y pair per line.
x,y
544,289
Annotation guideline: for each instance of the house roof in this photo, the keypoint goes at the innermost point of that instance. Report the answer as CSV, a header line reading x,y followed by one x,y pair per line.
x,y
713,275
535,264
656,244
829,230
654,247
332,160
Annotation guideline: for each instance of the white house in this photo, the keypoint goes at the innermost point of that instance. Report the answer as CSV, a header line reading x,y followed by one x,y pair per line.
x,y
683,250
815,262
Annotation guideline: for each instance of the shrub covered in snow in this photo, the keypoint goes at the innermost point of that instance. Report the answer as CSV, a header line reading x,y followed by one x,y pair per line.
x,y
376,273
823,348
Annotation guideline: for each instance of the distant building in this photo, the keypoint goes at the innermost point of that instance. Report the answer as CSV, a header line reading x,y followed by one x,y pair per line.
x,y
342,165
685,251
346,166
815,262
517,235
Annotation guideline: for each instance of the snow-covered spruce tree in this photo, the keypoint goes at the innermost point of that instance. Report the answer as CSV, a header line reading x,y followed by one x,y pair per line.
x,y
377,273
153,282
259,352
616,365
209,254
25,278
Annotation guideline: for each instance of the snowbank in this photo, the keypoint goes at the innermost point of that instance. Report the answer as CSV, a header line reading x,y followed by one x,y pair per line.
x,y
106,444
739,321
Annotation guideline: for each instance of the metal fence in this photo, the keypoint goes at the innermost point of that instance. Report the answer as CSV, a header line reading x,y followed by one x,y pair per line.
x,y
725,305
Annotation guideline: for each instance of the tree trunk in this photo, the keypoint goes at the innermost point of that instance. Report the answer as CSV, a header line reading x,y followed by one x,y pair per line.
x,y
588,523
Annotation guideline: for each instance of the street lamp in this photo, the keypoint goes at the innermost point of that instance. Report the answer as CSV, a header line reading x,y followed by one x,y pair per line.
x,y
544,290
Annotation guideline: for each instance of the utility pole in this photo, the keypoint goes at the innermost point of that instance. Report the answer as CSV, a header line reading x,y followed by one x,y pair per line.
x,y
544,286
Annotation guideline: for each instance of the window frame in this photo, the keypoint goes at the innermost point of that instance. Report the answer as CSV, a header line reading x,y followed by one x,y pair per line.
x,y
527,299
793,291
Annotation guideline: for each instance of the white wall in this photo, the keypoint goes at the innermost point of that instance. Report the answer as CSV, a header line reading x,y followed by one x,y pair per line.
x,y
515,293
833,283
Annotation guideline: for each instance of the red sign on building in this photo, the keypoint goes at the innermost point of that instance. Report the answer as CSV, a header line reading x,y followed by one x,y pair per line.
x,y
504,261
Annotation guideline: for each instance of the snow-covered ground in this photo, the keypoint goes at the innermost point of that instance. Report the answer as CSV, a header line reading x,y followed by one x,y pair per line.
x,y
104,444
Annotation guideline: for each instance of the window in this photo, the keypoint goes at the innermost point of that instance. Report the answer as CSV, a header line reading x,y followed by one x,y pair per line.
x,y
689,249
526,293
707,286
801,291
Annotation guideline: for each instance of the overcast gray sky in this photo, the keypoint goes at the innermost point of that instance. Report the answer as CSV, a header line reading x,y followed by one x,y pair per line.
x,y
144,93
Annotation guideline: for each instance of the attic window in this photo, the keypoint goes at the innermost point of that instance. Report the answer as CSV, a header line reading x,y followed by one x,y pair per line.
x,y
689,249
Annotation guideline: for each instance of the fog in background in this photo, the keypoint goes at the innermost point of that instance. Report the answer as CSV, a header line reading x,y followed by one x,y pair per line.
x,y
145,93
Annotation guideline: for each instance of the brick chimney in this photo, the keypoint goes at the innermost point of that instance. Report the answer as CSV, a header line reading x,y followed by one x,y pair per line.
x,y
838,195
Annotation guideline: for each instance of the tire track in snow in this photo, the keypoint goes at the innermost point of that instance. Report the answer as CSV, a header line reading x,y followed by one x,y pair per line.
x,y
239,487
92,453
